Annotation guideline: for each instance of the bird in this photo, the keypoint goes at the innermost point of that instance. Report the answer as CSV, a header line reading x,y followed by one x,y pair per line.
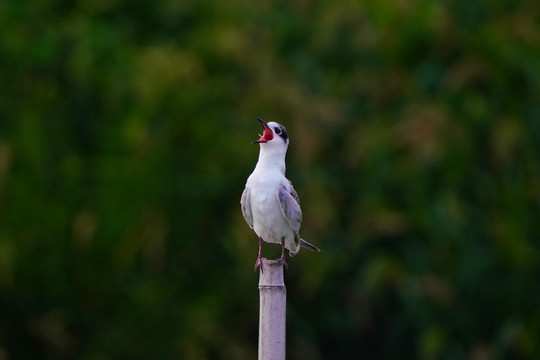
x,y
269,203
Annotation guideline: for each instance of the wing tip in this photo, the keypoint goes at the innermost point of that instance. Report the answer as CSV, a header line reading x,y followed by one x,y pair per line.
x,y
309,246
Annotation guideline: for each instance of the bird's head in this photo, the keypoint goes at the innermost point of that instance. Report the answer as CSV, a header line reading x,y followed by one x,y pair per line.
x,y
274,135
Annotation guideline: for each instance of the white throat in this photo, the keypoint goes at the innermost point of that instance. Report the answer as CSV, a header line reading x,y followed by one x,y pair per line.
x,y
272,158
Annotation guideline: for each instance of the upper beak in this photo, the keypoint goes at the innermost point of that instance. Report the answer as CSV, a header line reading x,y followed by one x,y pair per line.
x,y
267,135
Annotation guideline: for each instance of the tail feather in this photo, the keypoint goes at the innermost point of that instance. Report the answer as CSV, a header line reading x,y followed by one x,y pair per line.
x,y
306,245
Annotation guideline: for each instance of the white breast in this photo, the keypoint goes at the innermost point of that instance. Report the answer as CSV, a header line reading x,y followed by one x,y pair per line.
x,y
268,220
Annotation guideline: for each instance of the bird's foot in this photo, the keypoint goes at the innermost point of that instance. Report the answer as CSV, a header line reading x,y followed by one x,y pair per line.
x,y
258,264
282,260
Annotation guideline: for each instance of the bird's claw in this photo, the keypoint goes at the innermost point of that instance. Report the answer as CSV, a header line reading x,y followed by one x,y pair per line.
x,y
258,264
282,260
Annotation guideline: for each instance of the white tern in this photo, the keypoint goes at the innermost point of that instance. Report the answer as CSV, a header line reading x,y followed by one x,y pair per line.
x,y
270,204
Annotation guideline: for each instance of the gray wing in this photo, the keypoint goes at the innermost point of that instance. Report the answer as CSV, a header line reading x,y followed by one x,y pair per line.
x,y
290,207
245,202
295,195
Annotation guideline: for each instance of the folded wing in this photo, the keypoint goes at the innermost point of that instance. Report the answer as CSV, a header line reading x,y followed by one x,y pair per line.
x,y
245,202
290,208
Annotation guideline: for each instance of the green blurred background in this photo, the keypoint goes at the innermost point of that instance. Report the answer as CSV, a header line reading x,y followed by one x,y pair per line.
x,y
125,131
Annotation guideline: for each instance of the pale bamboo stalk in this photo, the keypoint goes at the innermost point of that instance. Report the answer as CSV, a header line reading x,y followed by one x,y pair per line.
x,y
272,306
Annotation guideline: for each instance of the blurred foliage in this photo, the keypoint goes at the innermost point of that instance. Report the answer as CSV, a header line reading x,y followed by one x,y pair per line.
x,y
124,149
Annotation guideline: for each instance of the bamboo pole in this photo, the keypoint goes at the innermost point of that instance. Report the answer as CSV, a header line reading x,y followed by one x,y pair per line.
x,y
272,306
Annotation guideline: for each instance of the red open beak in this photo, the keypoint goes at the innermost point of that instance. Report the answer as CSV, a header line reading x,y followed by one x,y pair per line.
x,y
267,135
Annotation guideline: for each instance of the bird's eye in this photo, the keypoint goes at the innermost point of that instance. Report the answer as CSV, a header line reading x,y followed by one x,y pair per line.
x,y
278,131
